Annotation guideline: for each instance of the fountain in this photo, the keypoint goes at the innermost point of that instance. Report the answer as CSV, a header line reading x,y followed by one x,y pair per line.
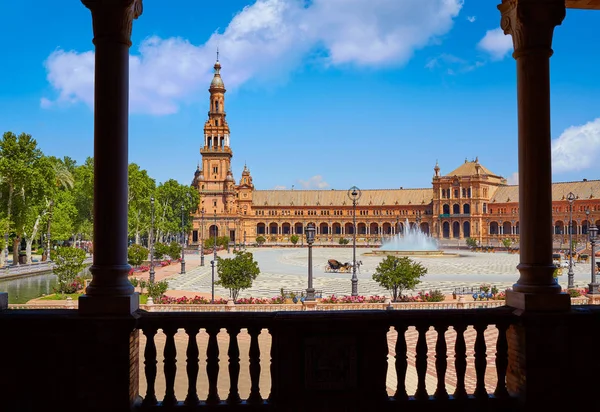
x,y
411,242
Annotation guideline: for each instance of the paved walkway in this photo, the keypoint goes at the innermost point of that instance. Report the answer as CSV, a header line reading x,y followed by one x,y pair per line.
x,y
287,268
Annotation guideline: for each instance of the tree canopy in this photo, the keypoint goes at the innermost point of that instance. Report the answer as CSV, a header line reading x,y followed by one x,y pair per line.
x,y
237,273
397,274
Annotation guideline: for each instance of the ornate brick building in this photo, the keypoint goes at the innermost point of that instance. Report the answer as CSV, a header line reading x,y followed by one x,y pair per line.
x,y
469,201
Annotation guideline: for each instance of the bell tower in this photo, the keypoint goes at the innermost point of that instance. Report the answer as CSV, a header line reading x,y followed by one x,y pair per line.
x,y
216,185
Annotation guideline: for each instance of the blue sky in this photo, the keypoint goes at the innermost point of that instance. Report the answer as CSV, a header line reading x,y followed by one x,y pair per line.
x,y
321,93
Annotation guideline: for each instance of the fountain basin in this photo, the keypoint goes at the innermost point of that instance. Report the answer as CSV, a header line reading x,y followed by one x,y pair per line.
x,y
409,253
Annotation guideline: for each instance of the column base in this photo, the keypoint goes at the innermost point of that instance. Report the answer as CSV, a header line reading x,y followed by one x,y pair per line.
x,y
594,289
538,302
109,305
3,300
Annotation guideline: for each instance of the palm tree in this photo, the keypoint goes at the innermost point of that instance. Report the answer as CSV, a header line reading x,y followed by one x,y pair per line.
x,y
63,179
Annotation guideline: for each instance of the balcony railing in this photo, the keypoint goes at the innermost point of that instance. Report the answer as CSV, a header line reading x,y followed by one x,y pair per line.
x,y
337,361
447,215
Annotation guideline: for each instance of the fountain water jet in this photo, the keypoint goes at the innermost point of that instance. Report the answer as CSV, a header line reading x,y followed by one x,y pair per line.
x,y
411,242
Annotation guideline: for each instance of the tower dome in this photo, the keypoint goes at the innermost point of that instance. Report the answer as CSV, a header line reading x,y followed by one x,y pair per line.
x,y
217,82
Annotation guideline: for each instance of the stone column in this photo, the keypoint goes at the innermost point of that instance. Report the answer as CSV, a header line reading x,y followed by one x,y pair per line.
x,y
531,24
110,291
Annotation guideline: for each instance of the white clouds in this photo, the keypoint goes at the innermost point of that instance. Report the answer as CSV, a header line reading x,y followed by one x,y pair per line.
x,y
315,182
513,179
496,44
264,41
279,187
577,148
453,64
471,19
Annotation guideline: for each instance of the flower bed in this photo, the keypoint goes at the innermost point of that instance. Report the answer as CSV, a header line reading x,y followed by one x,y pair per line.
x,y
184,300
278,300
353,299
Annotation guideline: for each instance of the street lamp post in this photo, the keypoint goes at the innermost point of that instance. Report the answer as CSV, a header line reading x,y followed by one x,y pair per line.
x,y
151,240
244,240
354,194
571,199
213,263
310,238
593,235
182,241
202,238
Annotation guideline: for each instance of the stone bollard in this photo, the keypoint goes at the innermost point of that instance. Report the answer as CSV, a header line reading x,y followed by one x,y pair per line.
x,y
230,307
460,304
70,304
309,305
3,300
388,304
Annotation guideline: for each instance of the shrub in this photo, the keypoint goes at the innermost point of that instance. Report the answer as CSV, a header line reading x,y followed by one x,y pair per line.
x,y
432,296
260,240
574,293
294,239
69,263
471,242
174,250
343,241
136,254
160,250
157,289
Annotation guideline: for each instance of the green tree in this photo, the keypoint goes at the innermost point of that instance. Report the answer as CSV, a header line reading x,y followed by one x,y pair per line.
x,y
83,198
19,169
507,243
237,273
398,274
169,197
294,239
471,242
68,264
160,250
136,255
62,181
139,191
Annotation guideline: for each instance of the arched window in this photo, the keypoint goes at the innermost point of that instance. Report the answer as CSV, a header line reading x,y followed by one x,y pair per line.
x,y
456,209
446,209
217,105
216,122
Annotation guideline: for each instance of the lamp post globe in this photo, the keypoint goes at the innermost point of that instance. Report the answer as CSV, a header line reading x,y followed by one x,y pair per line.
x,y
571,198
310,239
354,194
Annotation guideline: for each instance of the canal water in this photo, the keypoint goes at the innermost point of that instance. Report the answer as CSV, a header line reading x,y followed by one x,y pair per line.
x,y
23,289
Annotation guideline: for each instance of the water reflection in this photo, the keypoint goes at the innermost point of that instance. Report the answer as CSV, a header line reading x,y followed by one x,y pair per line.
x,y
20,290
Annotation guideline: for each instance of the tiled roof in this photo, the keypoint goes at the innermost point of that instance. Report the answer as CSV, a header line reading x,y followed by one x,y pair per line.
x,y
389,197
468,169
583,190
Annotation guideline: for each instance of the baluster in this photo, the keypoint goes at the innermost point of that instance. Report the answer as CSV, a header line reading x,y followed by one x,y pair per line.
x,y
480,361
421,363
501,361
150,367
441,363
192,366
254,366
401,363
170,367
212,365
460,361
273,395
234,365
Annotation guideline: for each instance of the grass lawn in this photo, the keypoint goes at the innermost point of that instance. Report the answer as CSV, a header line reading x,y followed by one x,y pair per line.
x,y
61,296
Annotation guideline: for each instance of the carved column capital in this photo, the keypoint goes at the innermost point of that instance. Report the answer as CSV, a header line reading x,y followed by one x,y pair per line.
x,y
531,24
113,19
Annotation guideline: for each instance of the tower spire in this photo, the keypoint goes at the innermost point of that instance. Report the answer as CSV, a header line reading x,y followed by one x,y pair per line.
x,y
217,53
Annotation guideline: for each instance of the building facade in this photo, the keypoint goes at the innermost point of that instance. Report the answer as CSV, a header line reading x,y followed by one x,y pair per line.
x,y
470,201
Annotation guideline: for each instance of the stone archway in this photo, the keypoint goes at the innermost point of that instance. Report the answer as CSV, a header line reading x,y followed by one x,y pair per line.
x,y
298,228
323,229
425,227
286,228
446,230
494,229
261,229
466,229
213,231
349,228
336,229
273,228
506,228
456,230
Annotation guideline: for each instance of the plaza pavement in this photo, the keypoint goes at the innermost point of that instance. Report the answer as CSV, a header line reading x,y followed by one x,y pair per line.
x,y
287,268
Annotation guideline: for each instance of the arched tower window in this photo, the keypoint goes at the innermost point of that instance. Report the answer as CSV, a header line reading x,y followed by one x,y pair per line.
x,y
217,122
